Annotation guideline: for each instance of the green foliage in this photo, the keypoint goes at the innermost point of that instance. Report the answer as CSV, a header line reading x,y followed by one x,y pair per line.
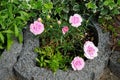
x,y
56,61
50,58
57,50
103,8
14,16
12,21
104,11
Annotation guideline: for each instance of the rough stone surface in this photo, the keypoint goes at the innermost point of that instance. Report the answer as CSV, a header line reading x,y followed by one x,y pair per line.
x,y
7,61
26,62
114,65
25,68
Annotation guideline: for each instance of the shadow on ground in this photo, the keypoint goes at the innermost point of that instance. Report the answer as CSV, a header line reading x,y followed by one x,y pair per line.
x,y
107,75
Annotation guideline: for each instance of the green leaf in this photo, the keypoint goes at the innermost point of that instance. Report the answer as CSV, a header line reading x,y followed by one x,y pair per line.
x,y
1,47
104,11
23,15
118,2
1,37
3,18
48,6
2,25
76,7
66,9
65,16
91,5
16,30
9,41
110,4
37,60
58,10
8,31
20,38
106,2
115,11
10,10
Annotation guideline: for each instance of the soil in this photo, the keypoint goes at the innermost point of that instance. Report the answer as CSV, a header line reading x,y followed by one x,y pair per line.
x,y
108,75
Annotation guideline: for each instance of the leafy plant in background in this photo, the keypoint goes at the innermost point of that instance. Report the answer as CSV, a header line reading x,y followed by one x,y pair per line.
x,y
14,16
105,12
12,21
103,9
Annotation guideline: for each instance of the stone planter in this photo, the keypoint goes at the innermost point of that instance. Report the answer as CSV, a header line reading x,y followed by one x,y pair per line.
x,y
8,60
20,61
26,69
114,65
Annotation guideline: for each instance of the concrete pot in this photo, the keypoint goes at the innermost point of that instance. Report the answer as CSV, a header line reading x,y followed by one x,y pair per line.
x,y
20,64
26,69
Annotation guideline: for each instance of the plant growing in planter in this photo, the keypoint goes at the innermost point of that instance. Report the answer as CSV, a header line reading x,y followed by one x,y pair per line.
x,y
58,47
61,39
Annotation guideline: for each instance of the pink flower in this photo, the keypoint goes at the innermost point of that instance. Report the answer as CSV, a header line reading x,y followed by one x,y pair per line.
x,y
65,29
75,20
90,50
78,63
36,27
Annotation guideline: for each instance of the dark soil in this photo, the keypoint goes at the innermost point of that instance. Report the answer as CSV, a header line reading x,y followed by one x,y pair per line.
x,y
107,75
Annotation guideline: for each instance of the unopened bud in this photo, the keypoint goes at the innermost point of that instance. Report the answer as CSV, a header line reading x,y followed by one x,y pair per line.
x,y
51,26
48,16
59,22
39,19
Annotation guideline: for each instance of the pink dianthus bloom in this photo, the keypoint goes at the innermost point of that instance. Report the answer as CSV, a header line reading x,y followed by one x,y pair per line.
x,y
36,27
75,20
90,50
65,29
78,63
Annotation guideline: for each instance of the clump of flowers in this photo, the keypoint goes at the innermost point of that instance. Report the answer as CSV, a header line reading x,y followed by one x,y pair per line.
x,y
62,44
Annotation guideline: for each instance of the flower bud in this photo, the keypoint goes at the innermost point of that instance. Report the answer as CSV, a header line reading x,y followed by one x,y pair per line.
x,y
39,19
59,22
51,26
48,17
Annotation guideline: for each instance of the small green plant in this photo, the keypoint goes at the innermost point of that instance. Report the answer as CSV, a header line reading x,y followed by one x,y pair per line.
x,y
48,57
14,16
12,21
